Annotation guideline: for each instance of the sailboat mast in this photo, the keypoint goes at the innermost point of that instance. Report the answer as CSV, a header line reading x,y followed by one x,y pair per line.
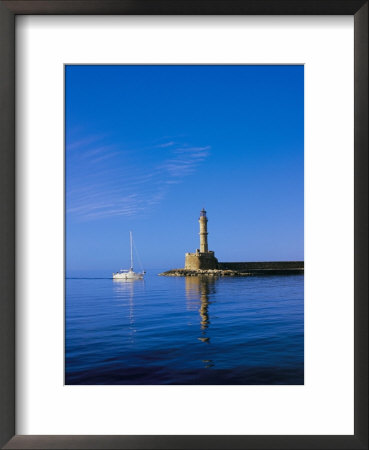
x,y
130,240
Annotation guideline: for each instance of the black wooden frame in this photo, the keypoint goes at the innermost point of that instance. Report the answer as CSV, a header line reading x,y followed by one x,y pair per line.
x,y
8,11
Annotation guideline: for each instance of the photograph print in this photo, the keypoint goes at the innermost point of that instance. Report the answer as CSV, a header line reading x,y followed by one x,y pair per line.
x,y
184,225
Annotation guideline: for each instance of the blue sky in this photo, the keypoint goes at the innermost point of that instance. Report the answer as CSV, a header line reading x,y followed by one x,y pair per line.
x,y
147,147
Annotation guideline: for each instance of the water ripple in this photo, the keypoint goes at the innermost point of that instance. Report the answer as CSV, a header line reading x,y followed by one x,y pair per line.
x,y
191,330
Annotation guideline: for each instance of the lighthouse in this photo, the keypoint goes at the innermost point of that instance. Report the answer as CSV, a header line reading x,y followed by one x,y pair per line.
x,y
203,221
203,258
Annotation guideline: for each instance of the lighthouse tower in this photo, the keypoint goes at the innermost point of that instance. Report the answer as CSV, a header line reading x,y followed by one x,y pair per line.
x,y
202,258
203,221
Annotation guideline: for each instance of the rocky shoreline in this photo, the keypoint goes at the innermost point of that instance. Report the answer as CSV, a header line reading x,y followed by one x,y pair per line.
x,y
207,272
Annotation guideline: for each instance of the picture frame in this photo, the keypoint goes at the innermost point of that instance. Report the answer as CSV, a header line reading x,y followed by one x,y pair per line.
x,y
8,11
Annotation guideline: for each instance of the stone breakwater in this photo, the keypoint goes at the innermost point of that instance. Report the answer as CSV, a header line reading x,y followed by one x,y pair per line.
x,y
262,265
240,269
207,272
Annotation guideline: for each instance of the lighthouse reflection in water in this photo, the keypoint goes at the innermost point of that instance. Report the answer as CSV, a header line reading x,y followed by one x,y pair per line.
x,y
198,292
184,330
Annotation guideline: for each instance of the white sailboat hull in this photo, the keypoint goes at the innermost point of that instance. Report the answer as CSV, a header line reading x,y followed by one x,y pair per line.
x,y
128,275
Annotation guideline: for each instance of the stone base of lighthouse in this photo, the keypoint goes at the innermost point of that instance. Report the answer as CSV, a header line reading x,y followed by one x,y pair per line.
x,y
199,260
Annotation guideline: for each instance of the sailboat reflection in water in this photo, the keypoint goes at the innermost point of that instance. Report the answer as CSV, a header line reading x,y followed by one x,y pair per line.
x,y
124,293
199,288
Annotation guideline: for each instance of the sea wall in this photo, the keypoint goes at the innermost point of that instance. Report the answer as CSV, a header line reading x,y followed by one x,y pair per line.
x,y
246,266
241,269
265,268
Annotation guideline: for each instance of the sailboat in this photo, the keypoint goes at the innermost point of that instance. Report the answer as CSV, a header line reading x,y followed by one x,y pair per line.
x,y
129,274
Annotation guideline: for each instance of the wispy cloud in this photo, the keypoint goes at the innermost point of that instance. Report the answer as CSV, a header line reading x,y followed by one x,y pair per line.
x,y
83,143
104,157
98,150
100,186
185,161
165,144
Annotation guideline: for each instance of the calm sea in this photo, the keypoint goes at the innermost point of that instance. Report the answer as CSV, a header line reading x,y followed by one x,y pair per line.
x,y
194,330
